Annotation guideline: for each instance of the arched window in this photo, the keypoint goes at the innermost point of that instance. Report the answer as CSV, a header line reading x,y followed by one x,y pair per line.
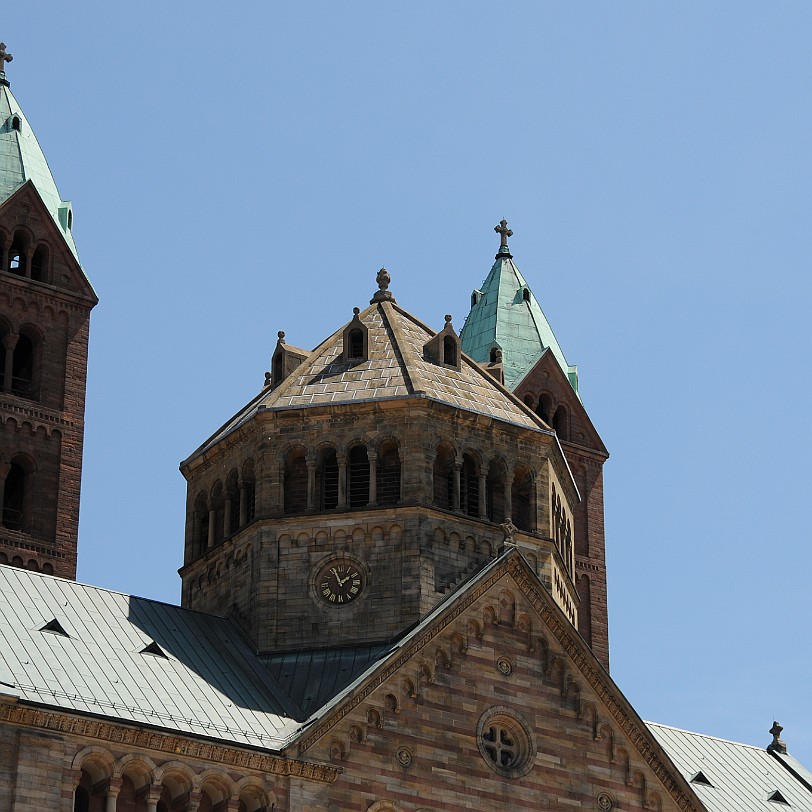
x,y
450,351
249,491
16,124
495,492
495,355
525,294
522,506
358,477
22,370
39,264
469,486
327,479
232,505
388,474
444,477
16,255
355,344
217,504
295,485
544,407
200,527
561,423
14,498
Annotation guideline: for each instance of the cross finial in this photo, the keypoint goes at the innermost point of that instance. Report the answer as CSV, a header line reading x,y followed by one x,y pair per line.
x,y
504,232
4,57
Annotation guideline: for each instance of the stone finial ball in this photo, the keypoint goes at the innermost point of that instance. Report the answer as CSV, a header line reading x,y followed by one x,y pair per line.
x,y
281,334
355,311
447,319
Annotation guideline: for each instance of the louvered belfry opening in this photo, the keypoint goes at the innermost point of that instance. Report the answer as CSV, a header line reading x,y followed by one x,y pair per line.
x,y
469,486
327,479
522,499
388,475
444,477
358,477
495,493
295,482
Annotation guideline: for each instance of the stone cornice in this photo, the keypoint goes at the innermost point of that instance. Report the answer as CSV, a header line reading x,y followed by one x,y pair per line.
x,y
173,745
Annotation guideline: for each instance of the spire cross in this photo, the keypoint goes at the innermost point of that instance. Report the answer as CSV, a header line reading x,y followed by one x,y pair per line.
x,y
504,232
4,56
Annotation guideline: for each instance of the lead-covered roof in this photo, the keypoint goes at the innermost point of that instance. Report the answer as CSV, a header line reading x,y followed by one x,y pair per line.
x,y
135,660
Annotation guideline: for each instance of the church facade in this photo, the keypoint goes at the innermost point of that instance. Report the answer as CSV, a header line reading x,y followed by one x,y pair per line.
x,y
394,579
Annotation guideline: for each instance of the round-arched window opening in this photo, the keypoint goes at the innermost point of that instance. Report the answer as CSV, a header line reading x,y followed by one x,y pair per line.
x,y
15,123
506,742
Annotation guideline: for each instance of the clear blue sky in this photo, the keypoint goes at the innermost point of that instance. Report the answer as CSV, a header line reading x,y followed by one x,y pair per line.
x,y
237,169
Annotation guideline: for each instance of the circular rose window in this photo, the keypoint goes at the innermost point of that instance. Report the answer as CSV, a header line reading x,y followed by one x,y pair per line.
x,y
506,742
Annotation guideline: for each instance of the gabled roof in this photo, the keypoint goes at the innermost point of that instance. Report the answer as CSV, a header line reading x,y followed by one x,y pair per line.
x,y
742,777
209,683
397,367
506,315
22,159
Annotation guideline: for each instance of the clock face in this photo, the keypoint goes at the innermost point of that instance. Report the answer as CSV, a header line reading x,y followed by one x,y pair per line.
x,y
340,582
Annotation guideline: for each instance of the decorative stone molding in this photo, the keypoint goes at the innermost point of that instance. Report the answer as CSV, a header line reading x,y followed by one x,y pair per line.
x,y
166,743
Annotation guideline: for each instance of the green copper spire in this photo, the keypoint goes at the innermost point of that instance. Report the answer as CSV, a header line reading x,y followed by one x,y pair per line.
x,y
506,316
21,158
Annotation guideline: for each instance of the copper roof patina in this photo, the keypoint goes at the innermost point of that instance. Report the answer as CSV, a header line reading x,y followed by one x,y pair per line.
x,y
505,315
22,159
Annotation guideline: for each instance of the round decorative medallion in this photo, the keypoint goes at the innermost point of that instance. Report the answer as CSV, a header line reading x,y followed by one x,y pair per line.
x,y
506,742
404,756
340,581
504,666
605,802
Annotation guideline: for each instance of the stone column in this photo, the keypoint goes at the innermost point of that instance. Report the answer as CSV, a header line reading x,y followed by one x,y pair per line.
x,y
455,492
233,805
373,478
508,497
483,495
212,528
9,342
311,482
341,459
113,789
153,796
195,797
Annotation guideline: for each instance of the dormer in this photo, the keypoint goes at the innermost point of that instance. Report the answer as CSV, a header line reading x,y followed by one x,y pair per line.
x,y
494,366
284,360
445,348
356,340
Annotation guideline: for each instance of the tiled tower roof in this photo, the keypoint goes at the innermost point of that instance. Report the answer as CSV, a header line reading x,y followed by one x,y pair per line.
x,y
506,315
396,367
22,159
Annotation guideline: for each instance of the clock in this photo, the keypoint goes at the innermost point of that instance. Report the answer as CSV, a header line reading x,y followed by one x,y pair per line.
x,y
340,581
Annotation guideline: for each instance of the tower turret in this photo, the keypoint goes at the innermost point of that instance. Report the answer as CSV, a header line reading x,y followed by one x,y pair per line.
x,y
45,304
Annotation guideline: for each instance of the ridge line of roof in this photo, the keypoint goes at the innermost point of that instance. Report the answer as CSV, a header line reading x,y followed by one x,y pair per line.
x,y
706,736
411,376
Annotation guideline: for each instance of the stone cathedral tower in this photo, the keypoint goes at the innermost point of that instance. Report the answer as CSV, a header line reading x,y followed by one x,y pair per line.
x,y
45,304
507,329
369,477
